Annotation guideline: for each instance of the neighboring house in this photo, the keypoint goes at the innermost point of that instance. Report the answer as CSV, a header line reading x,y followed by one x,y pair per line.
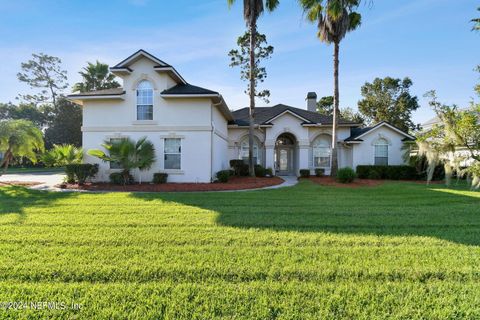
x,y
196,135
460,152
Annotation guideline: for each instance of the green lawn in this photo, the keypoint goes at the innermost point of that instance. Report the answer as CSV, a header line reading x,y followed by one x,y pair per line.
x,y
15,170
398,251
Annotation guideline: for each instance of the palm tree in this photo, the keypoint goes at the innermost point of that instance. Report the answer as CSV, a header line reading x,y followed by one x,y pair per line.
x,y
128,154
335,19
61,155
252,10
19,138
96,77
476,21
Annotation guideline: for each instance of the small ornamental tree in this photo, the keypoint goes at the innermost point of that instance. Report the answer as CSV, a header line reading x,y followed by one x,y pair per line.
x,y
128,154
457,130
19,138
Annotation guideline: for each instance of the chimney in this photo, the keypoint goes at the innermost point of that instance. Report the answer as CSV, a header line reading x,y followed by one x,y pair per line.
x,y
311,101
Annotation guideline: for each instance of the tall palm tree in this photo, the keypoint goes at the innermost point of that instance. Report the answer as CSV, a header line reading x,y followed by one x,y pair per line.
x,y
19,138
96,77
335,19
476,21
252,10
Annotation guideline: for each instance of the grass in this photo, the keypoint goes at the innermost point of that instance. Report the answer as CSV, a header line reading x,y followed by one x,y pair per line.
x,y
397,251
16,170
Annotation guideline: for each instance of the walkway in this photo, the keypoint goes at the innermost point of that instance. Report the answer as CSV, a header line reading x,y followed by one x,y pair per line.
x,y
290,181
47,180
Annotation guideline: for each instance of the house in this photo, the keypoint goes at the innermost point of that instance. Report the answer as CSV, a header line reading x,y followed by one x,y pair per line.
x,y
461,153
196,135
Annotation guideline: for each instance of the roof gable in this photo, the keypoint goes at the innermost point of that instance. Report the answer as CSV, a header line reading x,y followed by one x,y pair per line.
x,y
159,66
263,116
358,133
287,111
137,56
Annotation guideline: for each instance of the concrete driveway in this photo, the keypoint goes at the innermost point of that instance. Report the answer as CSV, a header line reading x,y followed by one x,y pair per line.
x,y
48,180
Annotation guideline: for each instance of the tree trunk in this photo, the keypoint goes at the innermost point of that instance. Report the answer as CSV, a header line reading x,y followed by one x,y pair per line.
x,y
336,103
251,118
6,161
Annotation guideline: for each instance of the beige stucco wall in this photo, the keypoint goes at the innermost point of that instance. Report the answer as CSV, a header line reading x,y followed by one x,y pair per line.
x,y
364,153
202,128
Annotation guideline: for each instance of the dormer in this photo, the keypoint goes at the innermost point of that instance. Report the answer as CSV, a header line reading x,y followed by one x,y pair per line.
x,y
124,68
155,80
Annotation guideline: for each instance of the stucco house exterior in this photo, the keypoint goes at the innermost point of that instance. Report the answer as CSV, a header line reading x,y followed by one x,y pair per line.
x,y
195,134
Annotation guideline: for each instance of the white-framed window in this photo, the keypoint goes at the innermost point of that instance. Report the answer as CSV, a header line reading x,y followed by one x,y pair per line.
x,y
381,152
144,100
244,151
172,150
322,152
113,164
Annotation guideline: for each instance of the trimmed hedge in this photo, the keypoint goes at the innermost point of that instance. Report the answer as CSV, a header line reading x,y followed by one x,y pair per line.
x,y
269,172
260,171
304,173
387,172
346,175
80,173
319,172
119,178
239,167
160,177
223,176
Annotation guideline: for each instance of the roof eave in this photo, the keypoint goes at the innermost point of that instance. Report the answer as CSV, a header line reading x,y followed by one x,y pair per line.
x,y
79,99
179,96
172,72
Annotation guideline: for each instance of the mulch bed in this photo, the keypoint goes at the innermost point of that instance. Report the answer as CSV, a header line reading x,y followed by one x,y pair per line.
x,y
235,183
331,182
19,183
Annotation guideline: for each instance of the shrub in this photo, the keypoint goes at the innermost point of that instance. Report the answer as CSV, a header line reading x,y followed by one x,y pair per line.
x,y
269,172
346,175
70,174
319,172
374,174
304,173
160,177
61,155
223,176
239,167
260,171
121,178
81,172
387,172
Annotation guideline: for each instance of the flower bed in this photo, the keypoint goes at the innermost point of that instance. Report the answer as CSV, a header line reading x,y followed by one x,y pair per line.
x,y
19,183
235,183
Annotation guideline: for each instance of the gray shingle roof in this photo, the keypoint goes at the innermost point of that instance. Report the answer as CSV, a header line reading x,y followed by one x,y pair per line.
x,y
357,132
104,92
188,89
264,114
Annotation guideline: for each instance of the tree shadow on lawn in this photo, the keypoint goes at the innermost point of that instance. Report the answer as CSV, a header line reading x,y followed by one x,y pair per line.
x,y
392,209
15,199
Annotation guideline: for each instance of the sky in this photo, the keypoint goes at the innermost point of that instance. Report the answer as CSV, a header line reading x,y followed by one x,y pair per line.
x,y
429,41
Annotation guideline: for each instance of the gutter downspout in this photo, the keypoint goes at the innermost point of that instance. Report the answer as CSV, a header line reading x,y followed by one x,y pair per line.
x,y
211,137
211,141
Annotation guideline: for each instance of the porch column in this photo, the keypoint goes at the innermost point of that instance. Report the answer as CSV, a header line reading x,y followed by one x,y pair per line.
x,y
303,151
269,155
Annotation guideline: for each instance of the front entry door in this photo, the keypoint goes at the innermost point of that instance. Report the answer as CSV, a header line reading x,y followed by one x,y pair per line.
x,y
284,161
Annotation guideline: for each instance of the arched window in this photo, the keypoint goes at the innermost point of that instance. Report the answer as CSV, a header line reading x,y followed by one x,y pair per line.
x,y
322,152
144,100
244,151
381,152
